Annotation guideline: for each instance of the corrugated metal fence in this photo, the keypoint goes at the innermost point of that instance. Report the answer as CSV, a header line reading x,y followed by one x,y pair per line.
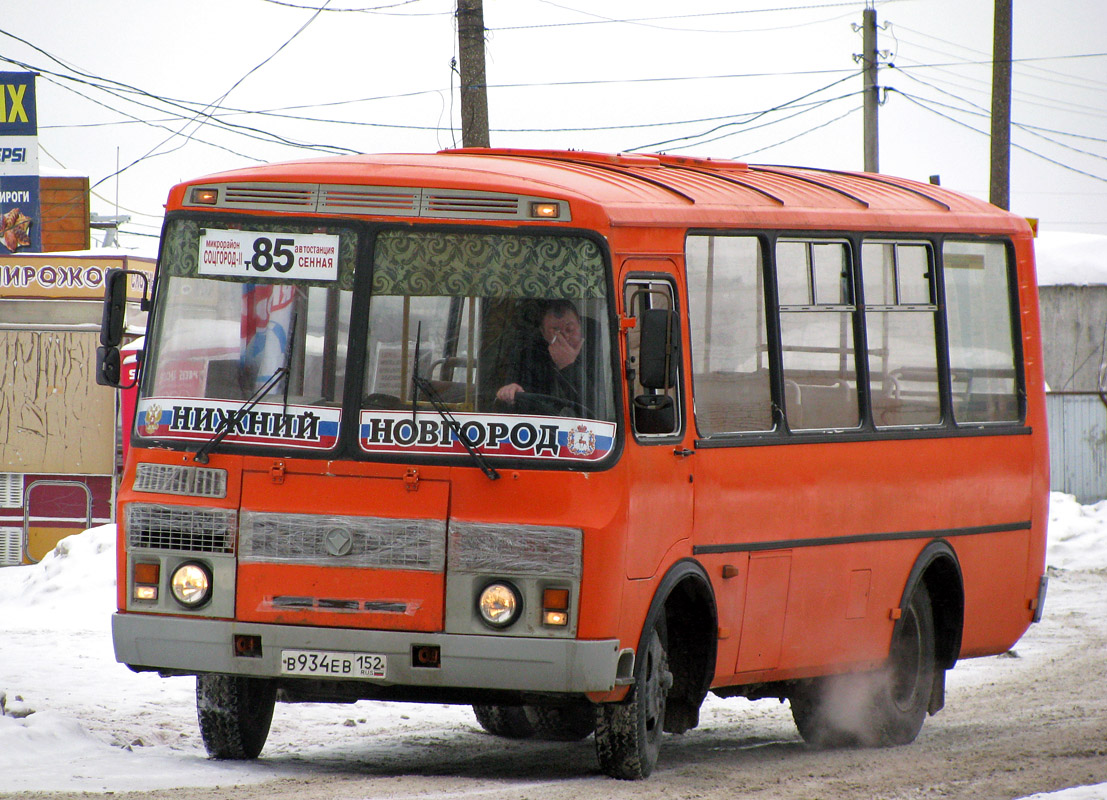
x,y
1078,444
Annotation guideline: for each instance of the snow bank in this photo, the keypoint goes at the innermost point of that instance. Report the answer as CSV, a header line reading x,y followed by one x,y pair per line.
x,y
1071,259
65,698
73,587
1077,534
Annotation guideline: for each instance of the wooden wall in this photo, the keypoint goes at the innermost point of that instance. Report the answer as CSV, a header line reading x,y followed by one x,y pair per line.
x,y
65,214
54,417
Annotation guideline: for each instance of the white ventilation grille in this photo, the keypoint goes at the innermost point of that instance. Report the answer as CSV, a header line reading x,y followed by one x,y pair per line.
x,y
275,197
464,205
11,547
395,201
11,490
390,201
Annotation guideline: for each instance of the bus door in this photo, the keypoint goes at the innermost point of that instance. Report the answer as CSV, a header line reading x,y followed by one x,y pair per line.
x,y
660,513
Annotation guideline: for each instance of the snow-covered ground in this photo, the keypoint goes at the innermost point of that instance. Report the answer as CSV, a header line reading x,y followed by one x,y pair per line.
x,y
63,694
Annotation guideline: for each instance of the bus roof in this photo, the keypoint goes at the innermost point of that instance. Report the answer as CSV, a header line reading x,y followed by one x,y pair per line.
x,y
637,189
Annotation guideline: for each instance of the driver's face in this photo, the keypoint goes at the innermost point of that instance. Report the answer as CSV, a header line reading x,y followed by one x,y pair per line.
x,y
566,328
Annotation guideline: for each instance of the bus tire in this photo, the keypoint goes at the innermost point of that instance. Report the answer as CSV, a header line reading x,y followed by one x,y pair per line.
x,y
875,709
628,734
562,723
509,722
235,713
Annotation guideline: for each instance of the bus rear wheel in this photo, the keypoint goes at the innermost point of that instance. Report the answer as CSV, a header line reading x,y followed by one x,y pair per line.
x,y
875,709
235,713
628,734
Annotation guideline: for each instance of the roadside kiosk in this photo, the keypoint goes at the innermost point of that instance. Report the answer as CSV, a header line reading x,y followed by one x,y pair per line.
x,y
60,432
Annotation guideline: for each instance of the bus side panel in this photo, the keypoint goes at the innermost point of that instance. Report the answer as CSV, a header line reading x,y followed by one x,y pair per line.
x,y
854,517
1035,404
997,609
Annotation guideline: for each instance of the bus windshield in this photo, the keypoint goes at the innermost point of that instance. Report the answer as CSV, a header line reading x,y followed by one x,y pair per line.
x,y
510,333
507,332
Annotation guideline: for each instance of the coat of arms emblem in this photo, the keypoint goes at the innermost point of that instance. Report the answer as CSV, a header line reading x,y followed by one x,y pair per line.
x,y
153,419
582,441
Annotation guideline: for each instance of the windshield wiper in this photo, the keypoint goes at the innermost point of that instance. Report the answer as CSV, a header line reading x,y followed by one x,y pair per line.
x,y
230,422
418,383
443,411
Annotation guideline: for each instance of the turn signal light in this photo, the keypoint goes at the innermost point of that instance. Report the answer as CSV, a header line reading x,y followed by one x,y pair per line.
x,y
545,210
555,607
204,197
147,577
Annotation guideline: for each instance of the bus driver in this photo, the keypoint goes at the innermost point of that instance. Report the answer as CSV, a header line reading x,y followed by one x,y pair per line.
x,y
557,365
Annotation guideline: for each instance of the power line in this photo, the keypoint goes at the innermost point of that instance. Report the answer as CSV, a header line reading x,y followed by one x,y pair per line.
x,y
201,114
987,57
645,21
1033,129
925,105
826,124
753,117
187,107
367,10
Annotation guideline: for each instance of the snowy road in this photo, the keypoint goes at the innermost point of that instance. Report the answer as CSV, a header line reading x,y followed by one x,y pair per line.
x,y
1012,727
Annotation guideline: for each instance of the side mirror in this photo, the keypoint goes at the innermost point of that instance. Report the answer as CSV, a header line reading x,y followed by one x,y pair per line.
x,y
115,308
659,348
108,363
654,413
108,369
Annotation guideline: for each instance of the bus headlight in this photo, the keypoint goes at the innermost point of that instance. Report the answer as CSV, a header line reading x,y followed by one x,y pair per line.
x,y
191,584
499,604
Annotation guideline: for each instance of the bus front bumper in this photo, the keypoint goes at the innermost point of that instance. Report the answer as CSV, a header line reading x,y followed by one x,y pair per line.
x,y
508,663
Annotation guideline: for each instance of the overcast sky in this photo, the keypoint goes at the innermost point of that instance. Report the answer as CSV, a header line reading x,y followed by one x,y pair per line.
x,y
723,78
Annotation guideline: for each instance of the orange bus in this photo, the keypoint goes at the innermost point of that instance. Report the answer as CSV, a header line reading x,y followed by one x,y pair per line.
x,y
578,438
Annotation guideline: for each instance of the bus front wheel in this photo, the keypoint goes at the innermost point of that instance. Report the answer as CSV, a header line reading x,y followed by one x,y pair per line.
x,y
875,709
234,714
628,734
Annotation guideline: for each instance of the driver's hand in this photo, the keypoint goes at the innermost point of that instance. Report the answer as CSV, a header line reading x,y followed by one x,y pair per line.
x,y
506,394
563,350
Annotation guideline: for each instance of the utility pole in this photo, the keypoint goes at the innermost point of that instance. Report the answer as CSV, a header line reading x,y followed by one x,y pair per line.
x,y
870,57
1000,186
474,90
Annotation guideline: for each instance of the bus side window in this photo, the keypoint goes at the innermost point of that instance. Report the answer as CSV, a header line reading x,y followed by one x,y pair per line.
x,y
729,347
982,332
816,332
900,311
653,352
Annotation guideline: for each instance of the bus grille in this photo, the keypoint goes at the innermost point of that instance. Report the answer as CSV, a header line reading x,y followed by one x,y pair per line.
x,y
183,528
177,479
479,547
368,542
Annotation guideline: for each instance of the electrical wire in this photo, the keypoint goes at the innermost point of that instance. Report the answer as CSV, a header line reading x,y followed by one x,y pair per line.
x,y
646,21
925,105
187,110
826,124
200,115
754,116
1034,130
368,10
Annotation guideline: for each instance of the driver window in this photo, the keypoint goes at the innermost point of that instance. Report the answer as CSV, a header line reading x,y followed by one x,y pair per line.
x,y
655,410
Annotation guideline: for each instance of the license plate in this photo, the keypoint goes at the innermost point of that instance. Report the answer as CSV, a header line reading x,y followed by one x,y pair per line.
x,y
327,664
